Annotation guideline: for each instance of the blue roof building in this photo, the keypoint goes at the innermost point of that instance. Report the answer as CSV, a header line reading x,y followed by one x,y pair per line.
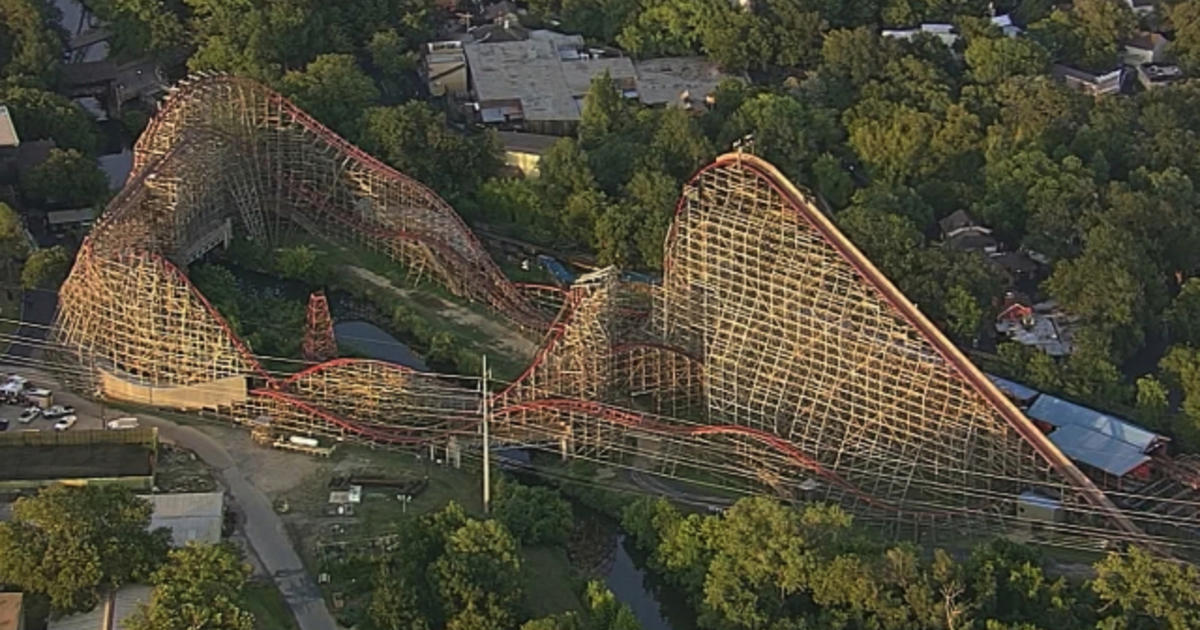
x,y
1014,390
1099,440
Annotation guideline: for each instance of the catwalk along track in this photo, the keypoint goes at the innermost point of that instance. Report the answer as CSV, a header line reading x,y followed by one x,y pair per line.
x,y
773,353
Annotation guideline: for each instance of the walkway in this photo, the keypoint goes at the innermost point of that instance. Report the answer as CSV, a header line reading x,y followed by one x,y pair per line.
x,y
263,527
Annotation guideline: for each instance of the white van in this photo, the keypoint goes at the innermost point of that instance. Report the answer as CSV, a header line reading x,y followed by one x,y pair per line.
x,y
128,422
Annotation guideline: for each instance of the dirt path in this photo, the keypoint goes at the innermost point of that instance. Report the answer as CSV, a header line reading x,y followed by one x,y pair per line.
x,y
503,339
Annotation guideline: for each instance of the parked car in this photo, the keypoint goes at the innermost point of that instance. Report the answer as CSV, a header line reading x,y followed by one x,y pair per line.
x,y
58,411
29,415
128,422
10,390
65,422
3,424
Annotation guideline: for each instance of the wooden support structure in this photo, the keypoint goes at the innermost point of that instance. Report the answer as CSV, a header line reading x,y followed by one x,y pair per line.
x,y
774,355
319,343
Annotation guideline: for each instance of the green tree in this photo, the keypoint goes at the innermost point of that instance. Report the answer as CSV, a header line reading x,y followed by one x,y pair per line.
x,y
1182,365
647,519
66,178
604,612
200,586
1110,286
993,59
832,181
661,29
443,350
564,171
1036,112
1007,585
1044,373
753,589
854,55
395,62
71,543
534,515
256,40
1103,26
889,240
394,601
678,146
1138,590
478,576
1152,401
653,196
614,232
46,268
413,138
29,46
964,314
561,621
220,287
302,262
786,132
580,216
895,145
13,245
142,26
1183,316
1185,17
604,111
38,114
334,90
516,202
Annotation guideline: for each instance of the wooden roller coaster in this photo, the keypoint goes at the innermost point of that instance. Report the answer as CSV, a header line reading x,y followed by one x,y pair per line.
x,y
774,353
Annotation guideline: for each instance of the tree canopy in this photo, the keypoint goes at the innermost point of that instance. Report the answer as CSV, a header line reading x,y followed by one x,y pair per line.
x,y
200,586
70,543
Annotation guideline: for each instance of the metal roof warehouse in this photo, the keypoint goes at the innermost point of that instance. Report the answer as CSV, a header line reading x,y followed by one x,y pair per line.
x,y
1099,440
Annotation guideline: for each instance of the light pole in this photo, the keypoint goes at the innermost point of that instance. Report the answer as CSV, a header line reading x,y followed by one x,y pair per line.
x,y
487,450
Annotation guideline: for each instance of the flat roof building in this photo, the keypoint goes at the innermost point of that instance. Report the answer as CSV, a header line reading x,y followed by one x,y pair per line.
x,y
191,516
677,81
541,81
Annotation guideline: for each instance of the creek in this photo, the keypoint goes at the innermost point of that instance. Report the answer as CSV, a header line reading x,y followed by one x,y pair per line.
x,y
374,342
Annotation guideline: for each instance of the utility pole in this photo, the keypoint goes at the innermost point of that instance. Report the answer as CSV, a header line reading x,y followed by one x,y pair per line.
x,y
487,448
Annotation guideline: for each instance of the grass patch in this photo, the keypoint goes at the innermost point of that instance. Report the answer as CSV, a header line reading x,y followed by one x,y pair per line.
x,y
550,582
264,600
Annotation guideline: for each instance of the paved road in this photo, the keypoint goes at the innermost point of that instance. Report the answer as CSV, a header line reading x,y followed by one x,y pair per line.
x,y
655,485
37,309
263,527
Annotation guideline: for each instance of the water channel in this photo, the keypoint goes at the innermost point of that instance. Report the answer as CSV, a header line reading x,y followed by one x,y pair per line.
x,y
375,343
656,605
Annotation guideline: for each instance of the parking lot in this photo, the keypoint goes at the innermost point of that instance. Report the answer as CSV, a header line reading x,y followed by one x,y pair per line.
x,y
85,420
